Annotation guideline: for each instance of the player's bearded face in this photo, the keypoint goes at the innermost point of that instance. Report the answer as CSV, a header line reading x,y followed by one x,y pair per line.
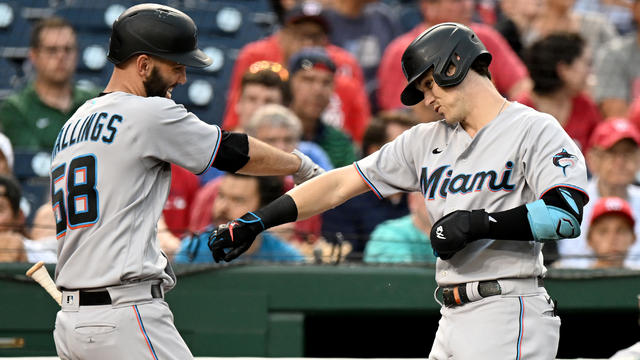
x,y
156,85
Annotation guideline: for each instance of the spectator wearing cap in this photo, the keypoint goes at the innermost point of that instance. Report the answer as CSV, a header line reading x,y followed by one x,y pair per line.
x,y
614,160
507,70
311,83
364,28
610,234
617,69
6,156
560,66
305,26
32,117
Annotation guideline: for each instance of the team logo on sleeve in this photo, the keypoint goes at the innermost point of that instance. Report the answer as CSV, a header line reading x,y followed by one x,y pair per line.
x,y
564,160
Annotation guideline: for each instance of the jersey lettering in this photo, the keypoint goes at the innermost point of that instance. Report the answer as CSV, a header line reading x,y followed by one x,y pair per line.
x,y
463,183
91,128
79,207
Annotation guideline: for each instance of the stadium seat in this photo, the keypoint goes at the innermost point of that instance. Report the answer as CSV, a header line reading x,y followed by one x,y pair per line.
x,y
96,18
14,30
8,77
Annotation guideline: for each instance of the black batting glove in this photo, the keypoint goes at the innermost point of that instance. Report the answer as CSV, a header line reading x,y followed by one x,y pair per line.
x,y
454,231
230,240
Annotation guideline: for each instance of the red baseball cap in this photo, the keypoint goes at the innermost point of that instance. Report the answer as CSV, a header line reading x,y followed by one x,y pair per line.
x,y
612,205
609,132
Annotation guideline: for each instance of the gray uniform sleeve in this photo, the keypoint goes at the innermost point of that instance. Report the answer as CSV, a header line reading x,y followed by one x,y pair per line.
x,y
178,137
393,168
551,158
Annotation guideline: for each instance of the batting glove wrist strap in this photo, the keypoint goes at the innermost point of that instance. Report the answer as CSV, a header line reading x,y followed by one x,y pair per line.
x,y
307,170
452,233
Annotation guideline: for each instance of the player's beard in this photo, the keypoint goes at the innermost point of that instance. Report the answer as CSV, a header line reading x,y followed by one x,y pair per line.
x,y
155,85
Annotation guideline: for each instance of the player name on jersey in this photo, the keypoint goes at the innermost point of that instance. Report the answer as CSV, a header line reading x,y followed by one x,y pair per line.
x,y
89,128
463,183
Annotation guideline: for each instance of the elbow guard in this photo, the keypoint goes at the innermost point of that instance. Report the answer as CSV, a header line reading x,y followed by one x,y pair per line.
x,y
556,216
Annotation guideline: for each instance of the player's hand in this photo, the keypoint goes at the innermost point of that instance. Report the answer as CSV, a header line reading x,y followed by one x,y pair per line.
x,y
230,240
454,231
308,169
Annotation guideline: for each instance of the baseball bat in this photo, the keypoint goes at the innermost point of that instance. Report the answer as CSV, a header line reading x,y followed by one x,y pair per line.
x,y
40,274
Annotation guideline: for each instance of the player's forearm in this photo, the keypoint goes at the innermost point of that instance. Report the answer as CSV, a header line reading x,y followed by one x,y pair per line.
x,y
267,160
327,191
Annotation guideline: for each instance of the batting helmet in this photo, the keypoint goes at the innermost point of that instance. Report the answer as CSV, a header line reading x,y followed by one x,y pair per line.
x,y
439,47
156,30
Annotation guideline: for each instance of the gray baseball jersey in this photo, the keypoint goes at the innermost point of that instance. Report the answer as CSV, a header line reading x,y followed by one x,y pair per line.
x,y
511,161
110,177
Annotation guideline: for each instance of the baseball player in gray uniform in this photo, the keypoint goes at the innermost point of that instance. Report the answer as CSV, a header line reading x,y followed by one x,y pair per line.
x,y
499,179
110,177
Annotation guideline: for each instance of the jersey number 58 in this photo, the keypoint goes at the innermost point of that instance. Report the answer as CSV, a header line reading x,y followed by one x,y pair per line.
x,y
76,204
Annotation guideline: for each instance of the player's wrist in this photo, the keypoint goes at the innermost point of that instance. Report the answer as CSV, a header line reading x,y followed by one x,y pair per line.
x,y
280,211
479,225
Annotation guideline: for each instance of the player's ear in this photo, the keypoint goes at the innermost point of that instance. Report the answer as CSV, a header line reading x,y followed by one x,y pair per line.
x,y
144,65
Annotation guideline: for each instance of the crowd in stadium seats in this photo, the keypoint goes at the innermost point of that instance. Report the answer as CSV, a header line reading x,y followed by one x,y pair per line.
x,y
325,77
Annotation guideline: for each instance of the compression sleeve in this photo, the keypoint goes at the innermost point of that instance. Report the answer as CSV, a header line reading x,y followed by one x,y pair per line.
x,y
233,153
557,215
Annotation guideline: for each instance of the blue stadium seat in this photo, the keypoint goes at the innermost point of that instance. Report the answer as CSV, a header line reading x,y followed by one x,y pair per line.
x,y
94,16
14,29
227,24
205,96
31,169
8,77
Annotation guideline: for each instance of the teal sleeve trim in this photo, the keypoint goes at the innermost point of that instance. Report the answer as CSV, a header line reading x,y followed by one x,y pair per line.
x,y
550,222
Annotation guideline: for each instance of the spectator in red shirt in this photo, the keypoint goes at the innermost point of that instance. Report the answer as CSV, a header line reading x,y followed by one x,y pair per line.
x,y
507,70
305,26
560,66
177,209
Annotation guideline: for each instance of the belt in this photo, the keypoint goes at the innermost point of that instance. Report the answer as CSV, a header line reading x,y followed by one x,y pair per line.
x,y
457,295
103,297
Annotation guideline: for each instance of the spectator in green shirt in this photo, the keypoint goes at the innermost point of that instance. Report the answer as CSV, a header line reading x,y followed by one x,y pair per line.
x,y
311,82
32,117
403,240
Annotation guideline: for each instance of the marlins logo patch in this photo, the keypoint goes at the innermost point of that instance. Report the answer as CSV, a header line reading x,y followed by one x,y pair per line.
x,y
564,160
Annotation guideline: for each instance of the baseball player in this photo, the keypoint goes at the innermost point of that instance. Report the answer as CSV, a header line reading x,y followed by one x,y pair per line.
x,y
110,177
498,178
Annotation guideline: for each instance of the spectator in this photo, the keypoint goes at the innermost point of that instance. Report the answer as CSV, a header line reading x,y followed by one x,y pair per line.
x,y
6,156
618,12
559,16
610,233
634,113
354,220
263,83
305,26
364,28
514,21
33,117
278,127
402,240
237,195
177,208
560,66
614,159
14,244
617,68
312,82
508,73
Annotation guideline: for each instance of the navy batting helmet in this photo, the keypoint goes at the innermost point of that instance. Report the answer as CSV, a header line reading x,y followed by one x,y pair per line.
x,y
156,30
439,47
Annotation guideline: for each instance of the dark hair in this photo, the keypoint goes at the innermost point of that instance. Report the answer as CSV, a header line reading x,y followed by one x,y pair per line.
x,y
269,187
481,66
47,23
376,133
543,56
12,192
266,78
